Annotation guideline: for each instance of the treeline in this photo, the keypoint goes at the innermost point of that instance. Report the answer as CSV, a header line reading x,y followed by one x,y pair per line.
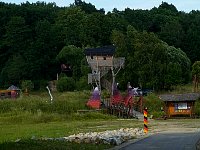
x,y
35,39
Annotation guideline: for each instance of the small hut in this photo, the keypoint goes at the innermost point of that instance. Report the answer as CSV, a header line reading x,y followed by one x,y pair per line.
x,y
15,91
11,92
179,104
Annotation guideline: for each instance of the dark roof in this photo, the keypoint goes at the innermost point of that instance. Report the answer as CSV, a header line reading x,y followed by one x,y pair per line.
x,y
100,51
180,97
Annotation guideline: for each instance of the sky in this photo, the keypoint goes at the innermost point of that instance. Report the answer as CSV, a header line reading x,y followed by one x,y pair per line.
x,y
108,5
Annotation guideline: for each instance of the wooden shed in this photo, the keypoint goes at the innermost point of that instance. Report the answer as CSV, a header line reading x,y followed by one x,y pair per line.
x,y
179,104
11,92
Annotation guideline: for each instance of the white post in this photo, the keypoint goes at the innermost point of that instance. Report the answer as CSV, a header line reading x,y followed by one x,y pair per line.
x,y
50,94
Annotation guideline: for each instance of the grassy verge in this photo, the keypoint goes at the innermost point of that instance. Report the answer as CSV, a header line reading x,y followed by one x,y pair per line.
x,y
12,132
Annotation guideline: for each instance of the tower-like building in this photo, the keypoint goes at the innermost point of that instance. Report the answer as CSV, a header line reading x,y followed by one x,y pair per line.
x,y
102,60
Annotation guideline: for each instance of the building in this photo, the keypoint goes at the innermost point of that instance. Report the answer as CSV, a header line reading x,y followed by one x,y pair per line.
x,y
101,60
179,104
11,92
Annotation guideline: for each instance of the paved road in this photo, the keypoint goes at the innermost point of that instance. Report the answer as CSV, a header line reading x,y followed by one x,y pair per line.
x,y
166,141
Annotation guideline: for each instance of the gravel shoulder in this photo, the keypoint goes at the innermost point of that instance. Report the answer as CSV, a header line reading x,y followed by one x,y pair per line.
x,y
174,125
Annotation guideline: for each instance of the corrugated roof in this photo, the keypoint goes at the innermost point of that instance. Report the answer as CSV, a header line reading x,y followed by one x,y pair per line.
x,y
100,51
180,97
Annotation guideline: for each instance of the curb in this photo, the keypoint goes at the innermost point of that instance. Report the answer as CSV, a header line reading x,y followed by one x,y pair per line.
x,y
197,145
130,142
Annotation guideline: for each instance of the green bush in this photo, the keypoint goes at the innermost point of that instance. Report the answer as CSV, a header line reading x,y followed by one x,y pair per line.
x,y
66,84
157,114
82,84
27,85
154,104
40,85
197,108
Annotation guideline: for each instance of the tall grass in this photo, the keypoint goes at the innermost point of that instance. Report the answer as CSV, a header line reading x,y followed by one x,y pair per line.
x,y
39,109
63,103
35,116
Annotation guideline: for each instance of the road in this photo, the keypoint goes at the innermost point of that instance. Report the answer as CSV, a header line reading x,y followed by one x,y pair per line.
x,y
166,141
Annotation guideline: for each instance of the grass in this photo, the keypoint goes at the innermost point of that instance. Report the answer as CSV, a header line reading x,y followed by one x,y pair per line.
x,y
64,103
34,116
12,132
50,145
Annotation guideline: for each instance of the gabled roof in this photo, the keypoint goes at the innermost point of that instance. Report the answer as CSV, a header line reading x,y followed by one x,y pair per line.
x,y
12,87
180,97
100,51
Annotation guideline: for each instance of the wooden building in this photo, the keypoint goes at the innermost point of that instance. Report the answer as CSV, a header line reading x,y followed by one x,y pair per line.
x,y
11,92
179,104
101,60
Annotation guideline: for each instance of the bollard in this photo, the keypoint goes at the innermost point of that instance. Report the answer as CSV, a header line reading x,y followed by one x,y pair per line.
x,y
145,121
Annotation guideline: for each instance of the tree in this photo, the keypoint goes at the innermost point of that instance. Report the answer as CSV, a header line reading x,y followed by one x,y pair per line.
x,y
14,70
17,35
153,63
66,84
72,56
70,19
169,7
173,75
16,40
149,51
172,33
87,7
196,75
27,85
177,56
119,40
96,30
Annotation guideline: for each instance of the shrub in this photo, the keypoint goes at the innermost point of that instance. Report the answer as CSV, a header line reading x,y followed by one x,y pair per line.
x,y
154,104
197,108
66,84
82,84
27,85
40,85
157,114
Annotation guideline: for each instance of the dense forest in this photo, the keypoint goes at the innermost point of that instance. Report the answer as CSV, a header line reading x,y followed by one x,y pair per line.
x,y
160,45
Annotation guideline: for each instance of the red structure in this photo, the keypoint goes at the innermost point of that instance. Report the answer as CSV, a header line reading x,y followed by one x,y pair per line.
x,y
95,101
11,92
123,106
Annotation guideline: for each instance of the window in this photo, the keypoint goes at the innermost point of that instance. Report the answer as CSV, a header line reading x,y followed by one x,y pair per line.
x,y
181,107
104,58
92,57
